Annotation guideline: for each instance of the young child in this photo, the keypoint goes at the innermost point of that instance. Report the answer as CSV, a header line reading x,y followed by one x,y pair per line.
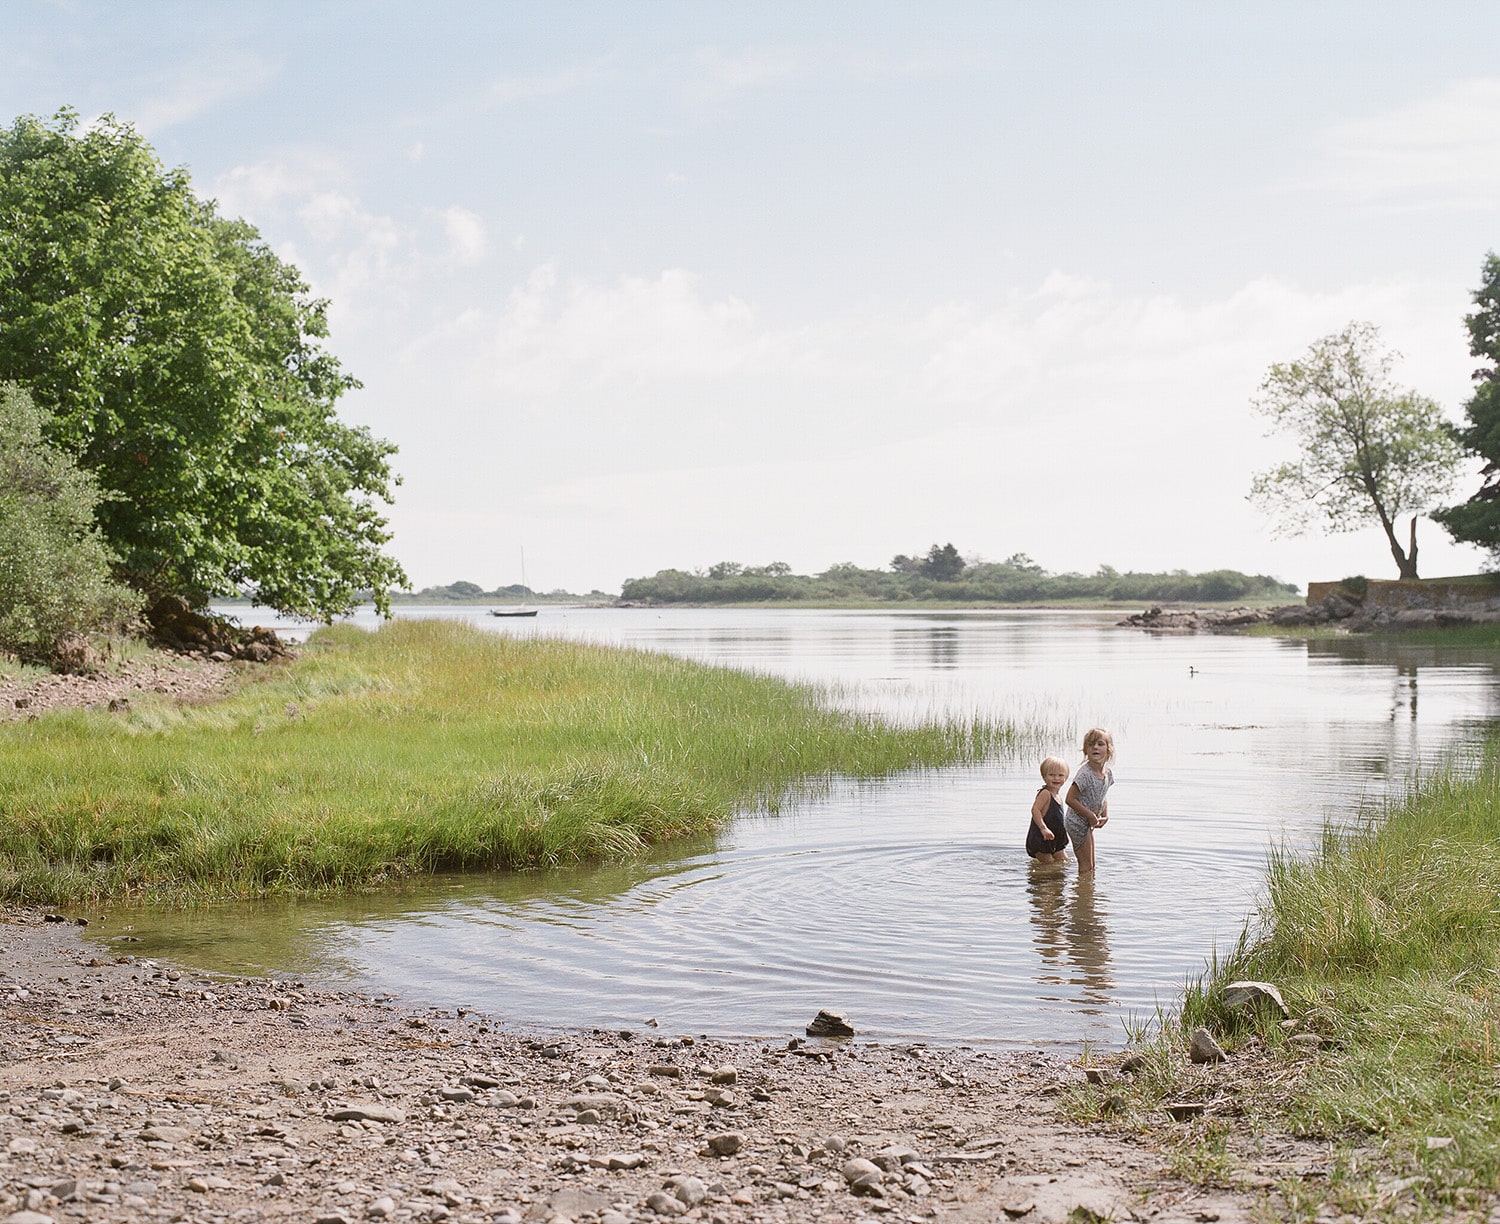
x,y
1046,836
1088,809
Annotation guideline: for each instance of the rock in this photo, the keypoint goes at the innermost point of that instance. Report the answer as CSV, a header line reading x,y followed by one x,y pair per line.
x,y
1307,1043
1436,1143
890,1159
861,1174
835,1144
1132,1063
481,1081
689,1190
381,1208
1255,996
158,1133
1181,1111
601,1105
726,1144
1414,618
829,1024
724,1075
1204,1049
367,1113
28,1217
624,1160
665,1070
502,1099
460,1095
665,1204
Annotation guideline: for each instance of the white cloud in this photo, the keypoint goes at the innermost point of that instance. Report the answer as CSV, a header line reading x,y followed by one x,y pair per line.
x,y
468,238
508,90
616,405
1440,152
265,190
186,91
722,72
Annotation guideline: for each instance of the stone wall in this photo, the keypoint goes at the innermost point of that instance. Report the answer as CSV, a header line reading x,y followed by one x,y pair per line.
x,y
1435,594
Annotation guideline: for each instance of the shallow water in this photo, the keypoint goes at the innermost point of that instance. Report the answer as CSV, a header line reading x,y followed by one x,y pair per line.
x,y
909,903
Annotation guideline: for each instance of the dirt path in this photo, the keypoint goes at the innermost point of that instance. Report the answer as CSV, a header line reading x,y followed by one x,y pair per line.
x,y
134,1091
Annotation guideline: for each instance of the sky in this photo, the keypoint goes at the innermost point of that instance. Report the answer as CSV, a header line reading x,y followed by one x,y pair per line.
x,y
636,286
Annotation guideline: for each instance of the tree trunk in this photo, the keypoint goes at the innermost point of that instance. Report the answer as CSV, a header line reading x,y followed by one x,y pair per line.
x,y
1406,564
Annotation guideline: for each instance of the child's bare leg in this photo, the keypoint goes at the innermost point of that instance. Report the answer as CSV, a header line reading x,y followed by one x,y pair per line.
x,y
1085,851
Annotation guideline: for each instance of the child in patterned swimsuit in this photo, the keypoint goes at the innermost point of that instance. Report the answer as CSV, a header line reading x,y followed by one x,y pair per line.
x,y
1088,809
1046,836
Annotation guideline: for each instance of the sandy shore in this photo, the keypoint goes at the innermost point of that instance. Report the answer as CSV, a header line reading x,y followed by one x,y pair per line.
x,y
132,1090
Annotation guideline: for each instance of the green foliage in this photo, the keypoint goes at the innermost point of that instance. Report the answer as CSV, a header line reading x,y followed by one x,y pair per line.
x,y
182,363
54,567
1477,521
1018,579
429,746
1370,452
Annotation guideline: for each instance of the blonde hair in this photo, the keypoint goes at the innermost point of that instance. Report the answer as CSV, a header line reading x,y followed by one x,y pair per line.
x,y
1052,763
1096,735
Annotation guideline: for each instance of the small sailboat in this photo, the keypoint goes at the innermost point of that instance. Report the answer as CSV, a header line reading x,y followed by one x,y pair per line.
x,y
523,610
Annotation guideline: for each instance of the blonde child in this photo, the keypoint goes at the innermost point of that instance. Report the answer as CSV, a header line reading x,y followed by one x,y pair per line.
x,y
1088,808
1047,836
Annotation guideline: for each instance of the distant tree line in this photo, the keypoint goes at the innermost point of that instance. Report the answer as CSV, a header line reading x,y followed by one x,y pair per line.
x,y
472,592
942,574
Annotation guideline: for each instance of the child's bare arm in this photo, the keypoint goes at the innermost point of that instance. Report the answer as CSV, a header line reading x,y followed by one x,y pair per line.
x,y
1075,801
1104,812
1038,811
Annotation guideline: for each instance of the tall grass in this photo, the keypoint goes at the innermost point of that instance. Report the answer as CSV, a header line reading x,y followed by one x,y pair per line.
x,y
428,746
1386,944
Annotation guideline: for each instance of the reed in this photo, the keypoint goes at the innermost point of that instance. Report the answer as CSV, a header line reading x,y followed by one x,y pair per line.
x,y
1386,944
429,746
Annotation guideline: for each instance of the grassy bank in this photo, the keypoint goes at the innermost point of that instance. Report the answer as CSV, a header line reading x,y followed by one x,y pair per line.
x,y
1386,946
429,746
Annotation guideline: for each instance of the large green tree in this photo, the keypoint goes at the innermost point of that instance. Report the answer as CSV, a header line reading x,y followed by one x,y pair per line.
x,y
54,566
1369,451
183,363
1477,521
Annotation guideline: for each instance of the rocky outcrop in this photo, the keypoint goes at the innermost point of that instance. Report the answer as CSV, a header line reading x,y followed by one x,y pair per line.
x,y
1338,609
174,626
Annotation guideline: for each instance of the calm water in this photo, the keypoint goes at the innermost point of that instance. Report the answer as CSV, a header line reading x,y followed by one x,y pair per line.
x,y
909,904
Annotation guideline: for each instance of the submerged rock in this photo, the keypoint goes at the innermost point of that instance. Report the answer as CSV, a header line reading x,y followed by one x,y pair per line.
x,y
830,1024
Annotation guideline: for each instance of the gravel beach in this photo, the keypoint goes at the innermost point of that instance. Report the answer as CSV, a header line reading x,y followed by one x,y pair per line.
x,y
133,1090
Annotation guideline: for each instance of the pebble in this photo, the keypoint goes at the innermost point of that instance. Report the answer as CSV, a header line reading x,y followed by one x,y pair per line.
x,y
726,1144
689,1190
381,1208
665,1204
368,1113
1204,1049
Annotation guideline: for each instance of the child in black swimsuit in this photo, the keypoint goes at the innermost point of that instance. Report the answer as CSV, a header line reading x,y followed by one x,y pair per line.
x,y
1046,836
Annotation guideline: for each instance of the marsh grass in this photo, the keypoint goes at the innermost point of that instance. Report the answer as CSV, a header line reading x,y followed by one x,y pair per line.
x,y
1385,944
429,746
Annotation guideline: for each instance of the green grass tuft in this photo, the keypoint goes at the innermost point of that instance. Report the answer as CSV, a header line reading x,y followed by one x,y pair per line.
x,y
429,746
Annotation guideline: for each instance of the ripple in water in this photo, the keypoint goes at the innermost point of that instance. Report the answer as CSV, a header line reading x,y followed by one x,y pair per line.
x,y
910,904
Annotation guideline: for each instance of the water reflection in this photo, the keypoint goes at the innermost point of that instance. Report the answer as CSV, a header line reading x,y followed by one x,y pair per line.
x,y
908,902
1072,937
